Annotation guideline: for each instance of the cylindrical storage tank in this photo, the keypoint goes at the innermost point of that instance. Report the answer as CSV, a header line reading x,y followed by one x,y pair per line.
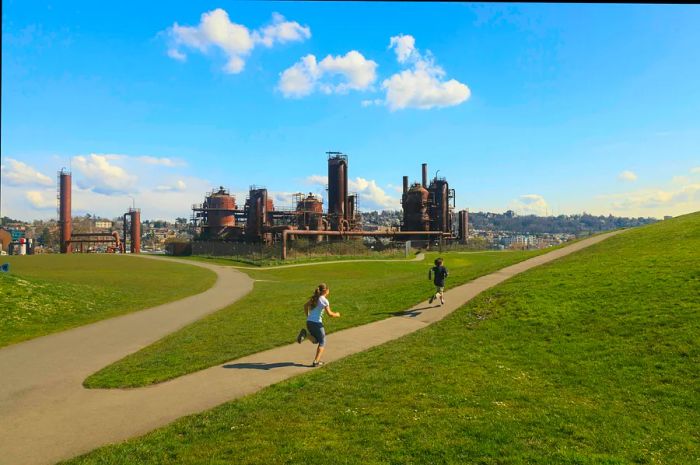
x,y
337,188
424,182
65,211
269,206
415,209
256,217
351,208
439,209
463,227
135,230
220,206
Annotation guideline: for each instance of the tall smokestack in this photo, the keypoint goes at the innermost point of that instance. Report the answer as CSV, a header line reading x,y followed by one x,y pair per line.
x,y
405,185
135,230
64,211
425,176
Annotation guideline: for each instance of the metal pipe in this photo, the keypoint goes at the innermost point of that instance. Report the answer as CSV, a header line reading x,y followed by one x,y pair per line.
x,y
65,211
357,233
425,176
405,185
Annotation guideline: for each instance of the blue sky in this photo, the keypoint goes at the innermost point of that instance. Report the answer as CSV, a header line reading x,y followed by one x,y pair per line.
x,y
539,108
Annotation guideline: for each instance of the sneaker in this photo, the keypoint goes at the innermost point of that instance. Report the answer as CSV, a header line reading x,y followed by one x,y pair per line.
x,y
442,301
317,364
432,297
301,336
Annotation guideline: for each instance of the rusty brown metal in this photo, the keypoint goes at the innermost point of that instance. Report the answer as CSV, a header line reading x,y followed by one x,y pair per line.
x,y
405,185
256,214
415,209
64,218
463,226
424,182
220,207
337,188
135,230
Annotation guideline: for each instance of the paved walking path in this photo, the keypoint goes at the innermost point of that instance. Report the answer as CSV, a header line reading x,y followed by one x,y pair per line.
x,y
46,415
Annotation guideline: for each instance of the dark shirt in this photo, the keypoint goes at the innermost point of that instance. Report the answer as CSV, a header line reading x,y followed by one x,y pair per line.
x,y
439,274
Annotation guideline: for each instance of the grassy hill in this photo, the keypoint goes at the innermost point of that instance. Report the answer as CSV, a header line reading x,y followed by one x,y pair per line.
x,y
272,314
592,359
43,294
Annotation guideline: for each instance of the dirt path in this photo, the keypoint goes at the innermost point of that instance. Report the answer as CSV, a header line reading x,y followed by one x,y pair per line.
x,y
46,415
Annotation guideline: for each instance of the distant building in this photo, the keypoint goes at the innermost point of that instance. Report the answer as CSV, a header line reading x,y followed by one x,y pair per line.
x,y
101,224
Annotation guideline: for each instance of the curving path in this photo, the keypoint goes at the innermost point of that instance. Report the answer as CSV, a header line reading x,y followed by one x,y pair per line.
x,y
46,415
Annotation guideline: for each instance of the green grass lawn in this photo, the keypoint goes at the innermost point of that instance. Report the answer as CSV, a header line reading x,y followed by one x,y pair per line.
x,y
592,359
272,314
43,294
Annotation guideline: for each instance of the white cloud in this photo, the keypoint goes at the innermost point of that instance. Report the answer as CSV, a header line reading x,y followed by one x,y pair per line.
x,y
17,173
695,170
41,200
317,179
627,176
236,41
100,176
163,161
281,31
299,79
404,46
369,103
654,198
305,76
176,54
179,186
358,72
530,204
423,86
372,197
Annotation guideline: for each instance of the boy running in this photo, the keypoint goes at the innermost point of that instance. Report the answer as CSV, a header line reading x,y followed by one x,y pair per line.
x,y
438,273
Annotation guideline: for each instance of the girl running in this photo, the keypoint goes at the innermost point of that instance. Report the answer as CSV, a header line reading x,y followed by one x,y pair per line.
x,y
314,308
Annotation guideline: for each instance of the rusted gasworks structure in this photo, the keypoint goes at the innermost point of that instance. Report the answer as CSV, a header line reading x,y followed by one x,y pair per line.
x,y
68,237
64,210
427,207
219,218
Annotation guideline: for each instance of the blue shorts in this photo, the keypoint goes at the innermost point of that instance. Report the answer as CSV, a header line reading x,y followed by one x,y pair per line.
x,y
317,331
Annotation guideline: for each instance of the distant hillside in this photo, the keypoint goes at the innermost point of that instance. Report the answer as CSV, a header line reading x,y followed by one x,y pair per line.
x,y
530,224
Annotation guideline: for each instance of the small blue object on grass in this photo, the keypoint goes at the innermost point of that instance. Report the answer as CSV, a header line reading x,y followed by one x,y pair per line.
x,y
5,268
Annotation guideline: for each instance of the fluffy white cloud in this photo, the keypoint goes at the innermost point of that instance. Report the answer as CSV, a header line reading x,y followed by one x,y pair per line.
x,y
404,46
372,197
305,76
300,79
100,176
530,204
236,41
42,200
281,31
17,173
162,161
358,72
317,179
179,186
627,176
695,170
654,198
423,86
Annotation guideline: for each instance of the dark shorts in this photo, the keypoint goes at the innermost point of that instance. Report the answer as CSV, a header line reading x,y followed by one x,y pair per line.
x,y
317,331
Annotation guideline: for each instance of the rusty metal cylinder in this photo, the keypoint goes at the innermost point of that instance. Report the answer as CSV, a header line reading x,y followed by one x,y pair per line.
x,y
337,188
350,211
424,182
439,208
220,206
415,209
65,211
135,230
463,226
405,185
